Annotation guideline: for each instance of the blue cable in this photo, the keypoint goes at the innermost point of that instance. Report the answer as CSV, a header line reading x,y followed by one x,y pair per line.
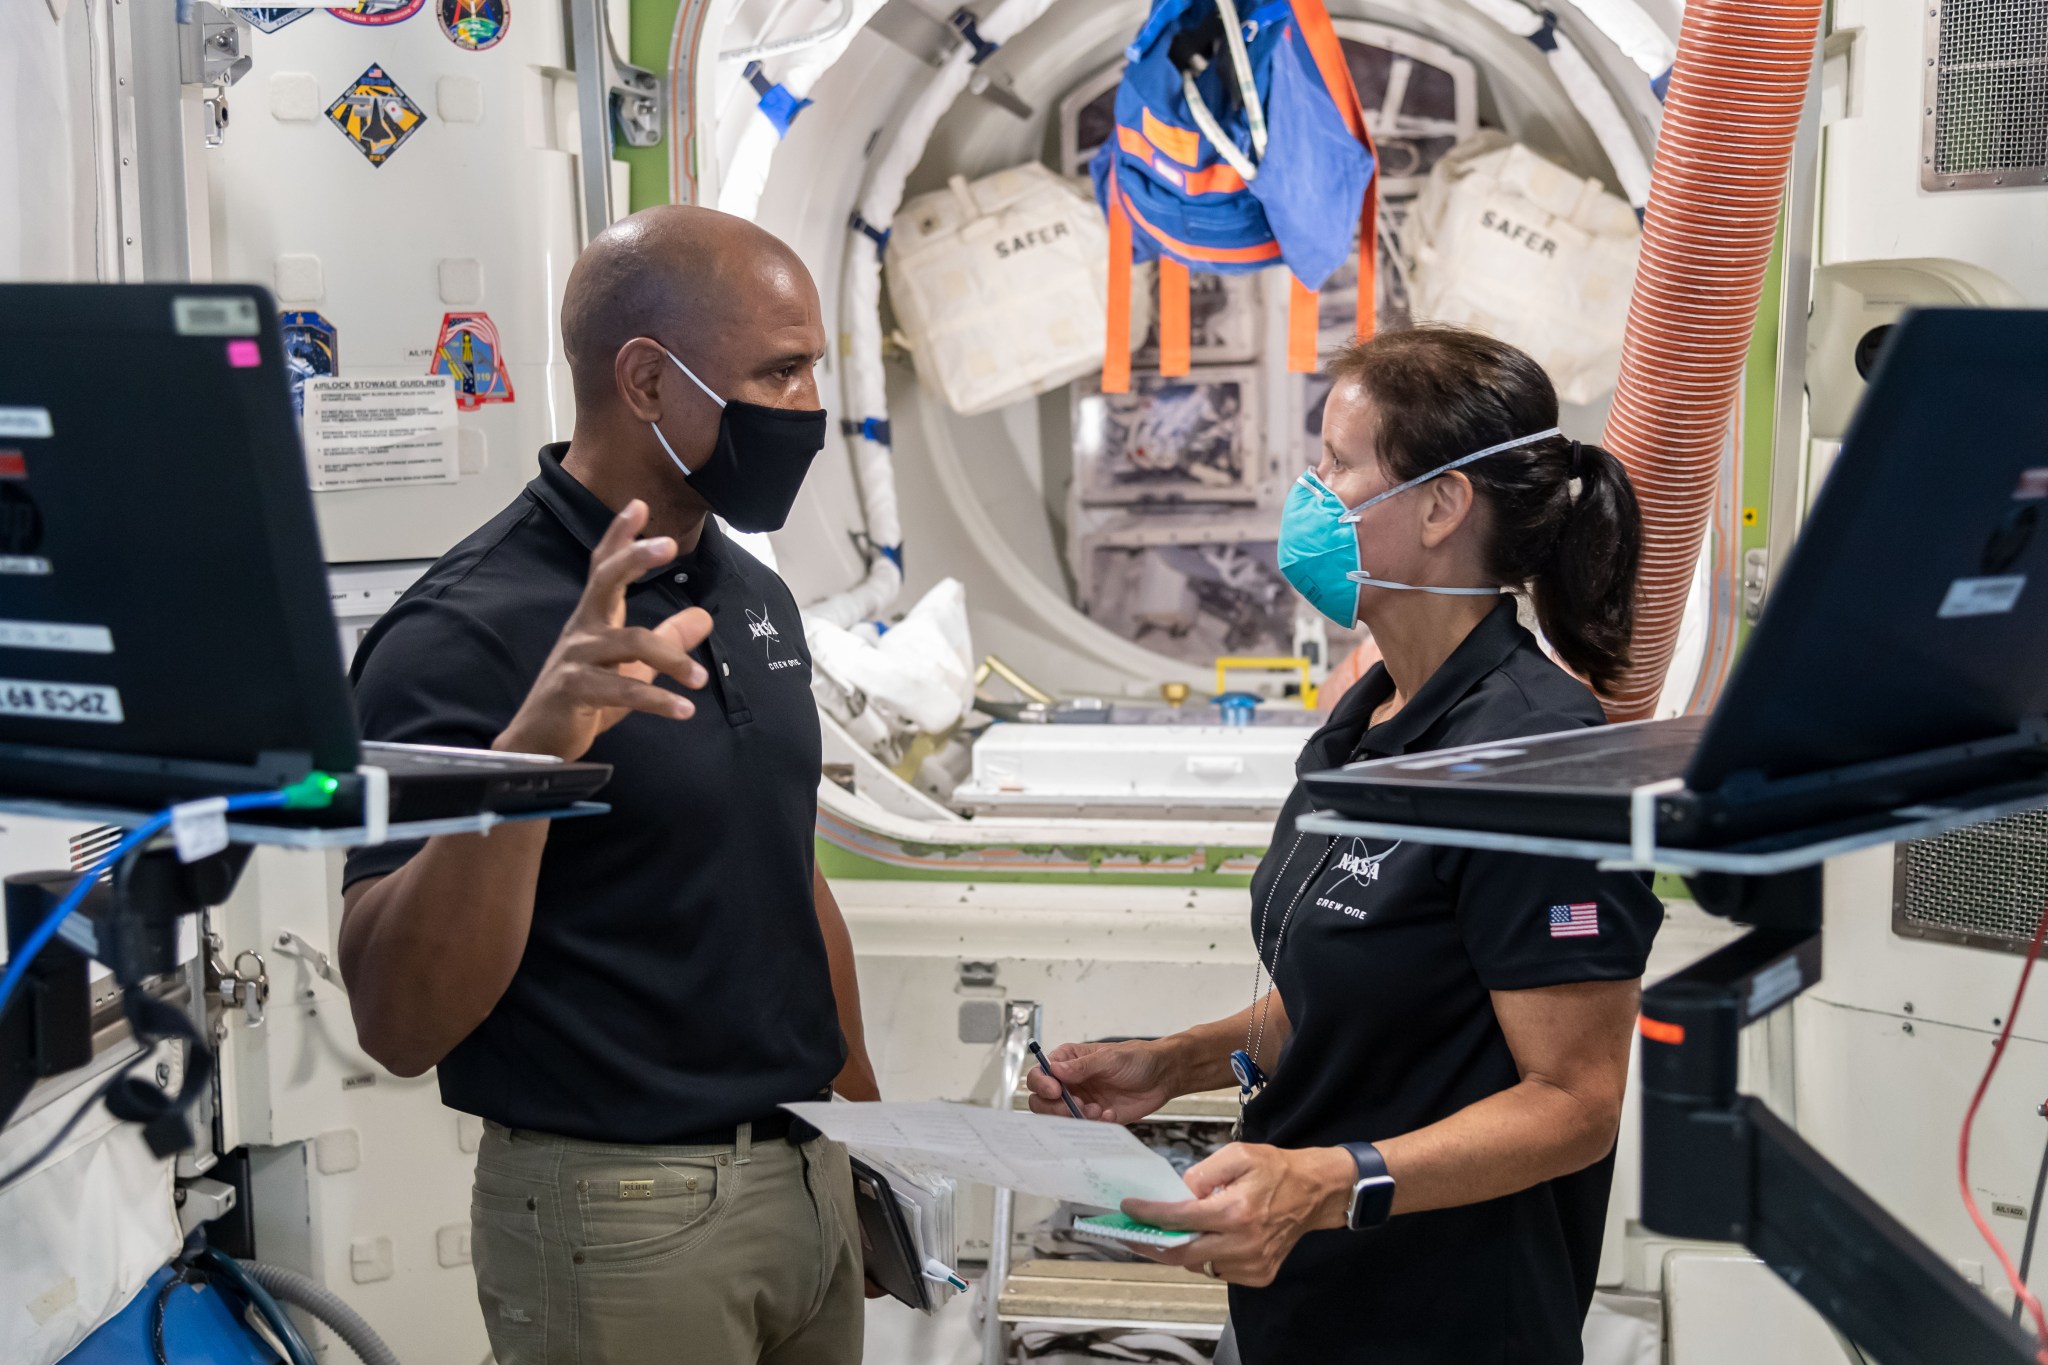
x,y
18,964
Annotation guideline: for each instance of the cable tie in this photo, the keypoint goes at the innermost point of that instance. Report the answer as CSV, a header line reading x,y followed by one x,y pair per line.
x,y
963,24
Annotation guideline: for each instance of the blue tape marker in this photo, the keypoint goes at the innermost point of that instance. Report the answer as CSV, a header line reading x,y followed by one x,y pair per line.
x,y
874,429
1660,85
1545,38
963,23
782,107
879,236
894,554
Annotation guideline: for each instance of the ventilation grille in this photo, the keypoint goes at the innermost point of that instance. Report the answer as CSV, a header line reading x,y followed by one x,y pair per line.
x,y
1987,95
92,845
1984,886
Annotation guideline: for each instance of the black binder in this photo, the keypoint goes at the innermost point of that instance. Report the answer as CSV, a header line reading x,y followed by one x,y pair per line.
x,y
887,1247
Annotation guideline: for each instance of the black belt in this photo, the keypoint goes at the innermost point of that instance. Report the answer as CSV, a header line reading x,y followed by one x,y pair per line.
x,y
777,1126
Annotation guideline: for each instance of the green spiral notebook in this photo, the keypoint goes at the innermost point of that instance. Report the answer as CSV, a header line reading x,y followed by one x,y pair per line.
x,y
1115,1227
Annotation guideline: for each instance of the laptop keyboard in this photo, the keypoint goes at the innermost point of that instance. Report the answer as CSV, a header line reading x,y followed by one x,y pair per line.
x,y
1627,759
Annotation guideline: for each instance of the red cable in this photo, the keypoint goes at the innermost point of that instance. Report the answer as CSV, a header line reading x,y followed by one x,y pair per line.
x,y
2012,1274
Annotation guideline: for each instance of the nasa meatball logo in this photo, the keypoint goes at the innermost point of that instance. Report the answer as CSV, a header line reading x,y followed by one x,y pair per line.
x,y
761,628
1360,869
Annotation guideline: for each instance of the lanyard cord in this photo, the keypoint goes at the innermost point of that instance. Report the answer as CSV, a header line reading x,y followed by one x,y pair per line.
x,y
1255,1028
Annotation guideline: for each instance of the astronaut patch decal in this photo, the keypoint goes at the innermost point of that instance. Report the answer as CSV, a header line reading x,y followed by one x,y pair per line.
x,y
474,24
310,351
467,351
376,13
271,18
375,115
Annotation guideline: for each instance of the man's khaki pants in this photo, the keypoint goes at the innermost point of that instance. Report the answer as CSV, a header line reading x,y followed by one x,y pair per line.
x,y
586,1254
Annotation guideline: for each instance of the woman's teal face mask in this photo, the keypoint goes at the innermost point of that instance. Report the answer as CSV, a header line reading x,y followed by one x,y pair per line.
x,y
1319,540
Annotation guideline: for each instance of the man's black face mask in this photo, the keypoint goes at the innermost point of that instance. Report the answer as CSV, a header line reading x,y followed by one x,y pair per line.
x,y
758,462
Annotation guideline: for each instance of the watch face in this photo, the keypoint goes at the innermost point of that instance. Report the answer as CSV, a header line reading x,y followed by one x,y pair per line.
x,y
1372,1200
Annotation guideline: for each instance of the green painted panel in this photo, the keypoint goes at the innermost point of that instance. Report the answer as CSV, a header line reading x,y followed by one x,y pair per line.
x,y
652,26
1760,419
843,863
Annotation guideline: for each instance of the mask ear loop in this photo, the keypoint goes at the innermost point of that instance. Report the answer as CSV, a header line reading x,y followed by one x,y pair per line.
x,y
700,383
656,426
1462,460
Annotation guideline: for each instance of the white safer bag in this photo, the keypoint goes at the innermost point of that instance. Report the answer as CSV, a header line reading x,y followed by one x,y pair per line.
x,y
1516,246
1000,286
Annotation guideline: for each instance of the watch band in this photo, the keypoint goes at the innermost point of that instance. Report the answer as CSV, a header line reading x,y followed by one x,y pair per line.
x,y
1372,1195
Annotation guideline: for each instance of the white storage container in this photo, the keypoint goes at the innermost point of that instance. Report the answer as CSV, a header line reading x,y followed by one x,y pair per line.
x,y
1216,771
1000,286
1517,246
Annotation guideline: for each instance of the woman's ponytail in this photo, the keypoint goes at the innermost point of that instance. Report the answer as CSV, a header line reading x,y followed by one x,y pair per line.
x,y
1585,592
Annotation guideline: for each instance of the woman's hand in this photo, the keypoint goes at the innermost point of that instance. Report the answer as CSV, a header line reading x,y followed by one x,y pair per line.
x,y
1113,1082
1252,1204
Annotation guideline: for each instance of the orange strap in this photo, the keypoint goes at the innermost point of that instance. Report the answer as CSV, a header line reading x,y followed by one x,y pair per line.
x,y
1369,253
1302,308
1328,52
1175,333
1232,255
1116,345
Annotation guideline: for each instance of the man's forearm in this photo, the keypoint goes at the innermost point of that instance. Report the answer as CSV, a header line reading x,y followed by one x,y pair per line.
x,y
428,951
856,1080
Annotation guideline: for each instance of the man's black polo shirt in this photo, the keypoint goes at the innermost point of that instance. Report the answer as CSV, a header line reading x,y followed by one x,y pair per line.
x,y
1390,953
675,979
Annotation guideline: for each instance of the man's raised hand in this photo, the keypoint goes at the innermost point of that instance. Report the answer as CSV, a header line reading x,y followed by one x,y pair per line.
x,y
600,668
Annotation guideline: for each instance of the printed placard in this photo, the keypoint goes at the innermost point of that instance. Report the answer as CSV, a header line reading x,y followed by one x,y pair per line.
x,y
33,565
2033,485
215,315
60,636
364,432
60,701
26,423
1982,596
200,828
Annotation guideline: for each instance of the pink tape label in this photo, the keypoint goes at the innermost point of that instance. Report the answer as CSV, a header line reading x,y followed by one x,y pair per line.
x,y
244,355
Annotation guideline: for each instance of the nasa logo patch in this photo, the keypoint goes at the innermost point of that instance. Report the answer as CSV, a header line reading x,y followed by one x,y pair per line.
x,y
310,351
474,24
375,115
271,18
467,351
374,13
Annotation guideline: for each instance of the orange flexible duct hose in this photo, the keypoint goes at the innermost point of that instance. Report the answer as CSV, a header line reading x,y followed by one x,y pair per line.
x,y
1730,117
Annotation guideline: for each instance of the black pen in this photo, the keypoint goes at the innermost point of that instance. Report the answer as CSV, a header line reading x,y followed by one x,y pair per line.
x,y
1046,1067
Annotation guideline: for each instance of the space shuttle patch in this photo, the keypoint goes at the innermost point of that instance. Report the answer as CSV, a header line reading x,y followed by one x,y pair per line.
x,y
375,115
467,351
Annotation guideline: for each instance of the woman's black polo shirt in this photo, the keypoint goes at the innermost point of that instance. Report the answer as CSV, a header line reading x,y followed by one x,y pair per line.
x,y
675,979
1390,953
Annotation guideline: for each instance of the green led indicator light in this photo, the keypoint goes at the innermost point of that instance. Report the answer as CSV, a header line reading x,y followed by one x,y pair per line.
x,y
314,791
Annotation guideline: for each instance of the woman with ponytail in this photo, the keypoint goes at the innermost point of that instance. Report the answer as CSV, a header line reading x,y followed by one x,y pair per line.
x,y
1434,1078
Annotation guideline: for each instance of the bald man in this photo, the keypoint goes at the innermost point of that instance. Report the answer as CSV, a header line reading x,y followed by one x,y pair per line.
x,y
627,999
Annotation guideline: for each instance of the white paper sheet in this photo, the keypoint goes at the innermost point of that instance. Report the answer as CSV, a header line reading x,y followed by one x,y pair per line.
x,y
1096,1164
373,433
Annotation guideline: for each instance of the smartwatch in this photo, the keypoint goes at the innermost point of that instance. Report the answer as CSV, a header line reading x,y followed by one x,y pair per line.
x,y
1372,1197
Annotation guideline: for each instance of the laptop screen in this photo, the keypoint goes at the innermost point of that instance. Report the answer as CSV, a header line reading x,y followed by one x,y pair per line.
x,y
162,589
1912,613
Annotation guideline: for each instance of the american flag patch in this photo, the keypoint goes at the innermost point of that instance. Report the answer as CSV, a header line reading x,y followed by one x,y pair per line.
x,y
1575,921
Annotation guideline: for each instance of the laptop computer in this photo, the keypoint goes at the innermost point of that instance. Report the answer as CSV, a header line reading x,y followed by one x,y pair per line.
x,y
165,628
1902,655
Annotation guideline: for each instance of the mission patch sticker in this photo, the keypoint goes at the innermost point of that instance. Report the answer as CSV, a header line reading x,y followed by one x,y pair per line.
x,y
311,350
374,13
474,24
468,352
375,115
271,18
